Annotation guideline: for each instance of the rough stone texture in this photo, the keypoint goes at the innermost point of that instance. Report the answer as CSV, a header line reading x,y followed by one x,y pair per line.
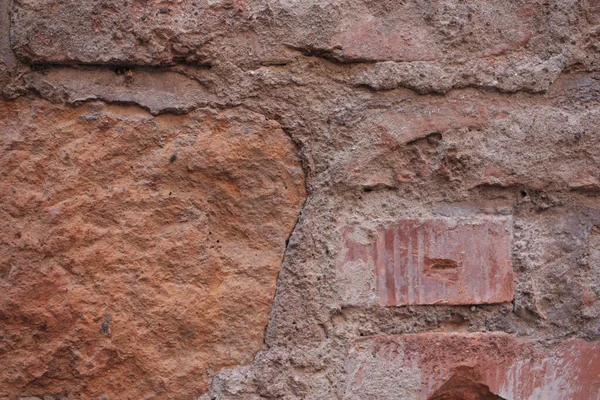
x,y
431,262
399,111
139,254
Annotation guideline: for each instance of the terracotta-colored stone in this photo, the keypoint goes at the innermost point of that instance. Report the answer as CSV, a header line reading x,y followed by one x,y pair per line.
x,y
409,125
138,254
458,142
437,261
471,366
406,142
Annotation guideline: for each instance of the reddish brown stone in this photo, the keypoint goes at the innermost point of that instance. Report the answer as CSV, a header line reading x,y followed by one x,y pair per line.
x,y
456,366
138,254
439,261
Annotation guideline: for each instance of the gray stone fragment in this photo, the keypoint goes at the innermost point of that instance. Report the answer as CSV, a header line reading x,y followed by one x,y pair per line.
x,y
158,92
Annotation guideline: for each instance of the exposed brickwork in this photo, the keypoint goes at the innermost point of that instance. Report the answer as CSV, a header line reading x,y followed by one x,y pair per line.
x,y
406,33
299,199
444,366
437,261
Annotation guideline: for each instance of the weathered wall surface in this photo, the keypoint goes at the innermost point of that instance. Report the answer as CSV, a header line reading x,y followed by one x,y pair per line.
x,y
258,199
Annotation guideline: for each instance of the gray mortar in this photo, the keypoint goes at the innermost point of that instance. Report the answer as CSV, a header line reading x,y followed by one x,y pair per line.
x,y
8,61
7,58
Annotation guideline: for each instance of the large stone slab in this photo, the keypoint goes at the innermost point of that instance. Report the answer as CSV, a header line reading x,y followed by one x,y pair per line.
x,y
138,254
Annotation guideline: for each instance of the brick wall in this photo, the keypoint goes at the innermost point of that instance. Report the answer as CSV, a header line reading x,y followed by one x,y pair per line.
x,y
277,199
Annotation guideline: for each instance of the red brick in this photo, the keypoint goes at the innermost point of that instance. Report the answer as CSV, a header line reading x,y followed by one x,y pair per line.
x,y
467,365
398,128
403,34
438,261
585,178
384,39
401,147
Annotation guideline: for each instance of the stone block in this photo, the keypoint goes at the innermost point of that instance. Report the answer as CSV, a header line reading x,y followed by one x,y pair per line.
x,y
138,254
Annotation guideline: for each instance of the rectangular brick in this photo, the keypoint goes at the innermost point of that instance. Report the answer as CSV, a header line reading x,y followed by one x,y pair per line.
x,y
403,34
435,261
471,366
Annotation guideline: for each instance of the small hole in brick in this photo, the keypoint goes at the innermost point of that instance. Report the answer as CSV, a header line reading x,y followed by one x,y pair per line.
x,y
442,269
442,264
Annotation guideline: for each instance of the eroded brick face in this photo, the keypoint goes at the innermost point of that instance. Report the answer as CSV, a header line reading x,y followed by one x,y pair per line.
x,y
434,366
438,261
